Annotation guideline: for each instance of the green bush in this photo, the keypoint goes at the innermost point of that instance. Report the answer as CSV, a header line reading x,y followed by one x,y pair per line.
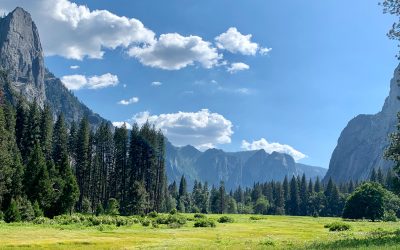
x,y
42,220
146,222
390,216
172,220
338,226
226,219
199,216
173,211
204,223
152,214
256,218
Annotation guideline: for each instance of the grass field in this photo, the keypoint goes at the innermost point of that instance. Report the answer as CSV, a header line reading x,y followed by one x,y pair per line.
x,y
284,232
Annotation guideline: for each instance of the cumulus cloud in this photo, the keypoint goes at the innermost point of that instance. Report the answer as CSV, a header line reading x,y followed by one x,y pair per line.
x,y
75,82
129,101
202,129
238,66
273,147
74,67
235,42
120,124
173,51
74,31
156,83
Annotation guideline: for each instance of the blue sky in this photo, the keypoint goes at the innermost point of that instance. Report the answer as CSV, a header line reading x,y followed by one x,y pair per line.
x,y
330,60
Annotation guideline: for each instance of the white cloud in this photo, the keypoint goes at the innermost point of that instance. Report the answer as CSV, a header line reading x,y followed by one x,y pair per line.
x,y
235,42
74,67
239,66
273,147
74,31
75,82
156,83
265,51
129,101
120,124
173,51
202,129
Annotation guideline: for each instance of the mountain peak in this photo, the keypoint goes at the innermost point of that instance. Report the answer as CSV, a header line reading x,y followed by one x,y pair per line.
x,y
21,55
19,11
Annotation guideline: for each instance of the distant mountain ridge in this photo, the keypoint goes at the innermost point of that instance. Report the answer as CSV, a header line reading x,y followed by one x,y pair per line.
x,y
234,168
21,57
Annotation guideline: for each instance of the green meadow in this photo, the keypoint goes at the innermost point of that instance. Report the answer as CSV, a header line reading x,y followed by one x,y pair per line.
x,y
246,232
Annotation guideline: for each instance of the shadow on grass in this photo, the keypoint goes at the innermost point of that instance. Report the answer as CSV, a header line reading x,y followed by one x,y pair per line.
x,y
376,239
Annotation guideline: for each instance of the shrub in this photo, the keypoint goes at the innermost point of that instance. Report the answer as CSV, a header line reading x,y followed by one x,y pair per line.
x,y
173,211
42,220
338,226
226,219
146,222
199,216
204,223
152,214
256,218
390,216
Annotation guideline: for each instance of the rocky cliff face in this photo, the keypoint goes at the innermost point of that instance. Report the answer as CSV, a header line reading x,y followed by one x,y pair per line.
x,y
21,58
362,143
234,168
21,55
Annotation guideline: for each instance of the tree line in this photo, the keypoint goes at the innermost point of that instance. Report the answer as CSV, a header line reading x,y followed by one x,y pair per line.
x,y
49,168
293,196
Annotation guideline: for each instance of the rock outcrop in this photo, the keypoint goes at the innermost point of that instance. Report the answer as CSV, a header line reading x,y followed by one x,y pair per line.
x,y
362,143
21,59
21,55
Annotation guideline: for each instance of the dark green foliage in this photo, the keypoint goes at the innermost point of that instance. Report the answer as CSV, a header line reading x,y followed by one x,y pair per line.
x,y
225,219
12,213
366,202
199,216
338,226
112,207
204,223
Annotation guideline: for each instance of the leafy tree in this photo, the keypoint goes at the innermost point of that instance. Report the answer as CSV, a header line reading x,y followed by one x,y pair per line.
x,y
261,206
367,201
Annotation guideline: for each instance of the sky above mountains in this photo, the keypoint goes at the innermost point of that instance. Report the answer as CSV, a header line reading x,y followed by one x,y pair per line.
x,y
237,75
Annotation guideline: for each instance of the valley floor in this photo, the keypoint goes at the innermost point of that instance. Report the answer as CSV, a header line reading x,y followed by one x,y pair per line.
x,y
266,232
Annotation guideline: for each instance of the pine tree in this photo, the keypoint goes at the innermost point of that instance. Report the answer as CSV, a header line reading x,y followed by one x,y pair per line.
x,y
37,182
303,196
82,160
286,193
294,200
317,185
12,213
121,160
46,131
